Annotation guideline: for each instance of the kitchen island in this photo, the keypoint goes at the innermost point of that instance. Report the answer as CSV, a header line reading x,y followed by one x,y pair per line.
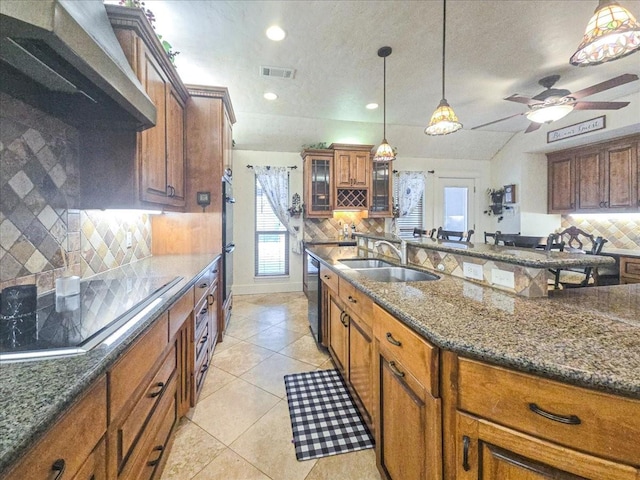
x,y
34,394
551,383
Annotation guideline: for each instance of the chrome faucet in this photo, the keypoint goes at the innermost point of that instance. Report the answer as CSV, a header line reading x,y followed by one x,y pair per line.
x,y
401,252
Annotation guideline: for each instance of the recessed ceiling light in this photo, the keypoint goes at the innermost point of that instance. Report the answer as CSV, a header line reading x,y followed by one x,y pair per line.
x,y
270,96
275,33
372,106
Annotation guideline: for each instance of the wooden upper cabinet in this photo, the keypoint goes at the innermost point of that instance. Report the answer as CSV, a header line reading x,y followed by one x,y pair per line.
x,y
318,183
352,168
621,177
561,198
596,178
152,149
175,147
381,191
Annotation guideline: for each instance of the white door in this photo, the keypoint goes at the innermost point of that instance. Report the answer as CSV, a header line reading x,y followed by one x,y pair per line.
x,y
454,203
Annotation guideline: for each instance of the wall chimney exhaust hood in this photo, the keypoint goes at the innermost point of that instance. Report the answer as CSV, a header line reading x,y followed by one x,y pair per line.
x,y
62,56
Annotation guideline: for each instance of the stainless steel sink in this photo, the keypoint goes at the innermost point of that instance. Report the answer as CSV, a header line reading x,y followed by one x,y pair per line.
x,y
364,263
396,274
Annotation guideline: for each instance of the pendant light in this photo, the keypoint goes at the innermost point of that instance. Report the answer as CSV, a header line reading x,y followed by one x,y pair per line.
x,y
612,33
384,152
444,120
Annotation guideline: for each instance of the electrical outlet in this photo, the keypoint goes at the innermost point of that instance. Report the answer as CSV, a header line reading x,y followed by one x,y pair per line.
x,y
129,240
472,270
502,278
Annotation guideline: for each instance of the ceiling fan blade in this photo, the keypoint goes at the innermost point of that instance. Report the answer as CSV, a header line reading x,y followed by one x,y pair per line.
x,y
520,99
496,121
600,105
533,126
600,87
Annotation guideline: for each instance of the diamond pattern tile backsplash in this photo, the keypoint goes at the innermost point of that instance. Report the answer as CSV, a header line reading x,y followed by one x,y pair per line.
x,y
319,229
39,215
620,233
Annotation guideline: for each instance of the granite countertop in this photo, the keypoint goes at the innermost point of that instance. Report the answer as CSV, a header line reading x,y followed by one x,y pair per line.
x,y
621,252
33,394
588,337
527,257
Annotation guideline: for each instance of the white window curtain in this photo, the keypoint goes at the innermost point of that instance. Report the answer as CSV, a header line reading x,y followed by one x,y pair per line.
x,y
275,183
410,191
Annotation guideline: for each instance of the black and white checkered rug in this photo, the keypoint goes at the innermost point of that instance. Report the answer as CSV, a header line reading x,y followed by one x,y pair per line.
x,y
324,419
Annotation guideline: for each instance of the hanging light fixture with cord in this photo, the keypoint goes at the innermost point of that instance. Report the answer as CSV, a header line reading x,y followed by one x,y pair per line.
x,y
444,120
612,33
384,152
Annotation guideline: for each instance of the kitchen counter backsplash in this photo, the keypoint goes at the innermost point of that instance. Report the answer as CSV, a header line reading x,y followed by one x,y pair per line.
x,y
328,229
39,187
623,233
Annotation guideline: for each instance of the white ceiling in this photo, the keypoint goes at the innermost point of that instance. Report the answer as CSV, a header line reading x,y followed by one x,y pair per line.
x,y
494,49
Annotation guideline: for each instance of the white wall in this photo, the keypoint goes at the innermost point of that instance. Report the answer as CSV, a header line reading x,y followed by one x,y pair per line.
x,y
244,281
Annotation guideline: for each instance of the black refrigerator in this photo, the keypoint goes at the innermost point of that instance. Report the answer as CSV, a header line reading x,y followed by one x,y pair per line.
x,y
227,242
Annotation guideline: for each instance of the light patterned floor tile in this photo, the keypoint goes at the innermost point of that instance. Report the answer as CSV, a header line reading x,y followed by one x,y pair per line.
x,y
229,341
244,327
214,381
193,448
275,338
230,466
267,445
269,375
306,350
240,358
227,413
359,465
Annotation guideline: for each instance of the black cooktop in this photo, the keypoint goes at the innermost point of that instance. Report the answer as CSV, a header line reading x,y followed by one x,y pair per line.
x,y
75,324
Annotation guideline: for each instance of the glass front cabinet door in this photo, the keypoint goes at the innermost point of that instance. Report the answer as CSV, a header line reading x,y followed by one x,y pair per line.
x,y
318,183
380,204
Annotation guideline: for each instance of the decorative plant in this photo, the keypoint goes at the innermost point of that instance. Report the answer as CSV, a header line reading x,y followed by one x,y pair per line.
x,y
296,208
316,146
152,19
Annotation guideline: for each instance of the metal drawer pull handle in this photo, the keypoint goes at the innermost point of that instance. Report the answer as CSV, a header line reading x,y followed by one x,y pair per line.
x,y
326,276
465,453
211,298
392,340
204,339
204,368
394,369
155,394
351,299
204,310
203,285
343,316
57,469
569,420
159,448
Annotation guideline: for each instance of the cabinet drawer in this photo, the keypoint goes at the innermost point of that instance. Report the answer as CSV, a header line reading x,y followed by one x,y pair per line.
x,y
129,373
201,345
202,285
131,427
150,449
630,267
356,300
329,277
71,440
201,313
199,374
95,467
590,421
179,312
417,355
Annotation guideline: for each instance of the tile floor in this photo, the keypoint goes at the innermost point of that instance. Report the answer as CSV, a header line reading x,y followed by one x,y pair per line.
x,y
240,428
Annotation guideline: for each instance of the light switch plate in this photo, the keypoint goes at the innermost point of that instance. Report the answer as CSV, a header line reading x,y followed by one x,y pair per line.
x,y
502,278
129,240
472,270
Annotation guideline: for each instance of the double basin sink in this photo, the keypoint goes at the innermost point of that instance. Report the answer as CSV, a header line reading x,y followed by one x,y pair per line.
x,y
382,271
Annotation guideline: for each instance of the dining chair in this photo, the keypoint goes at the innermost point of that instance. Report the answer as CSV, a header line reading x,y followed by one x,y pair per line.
x,y
454,235
418,232
578,240
517,240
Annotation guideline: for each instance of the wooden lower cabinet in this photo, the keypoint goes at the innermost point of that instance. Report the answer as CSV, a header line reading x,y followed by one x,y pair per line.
x,y
488,451
361,364
629,270
338,335
74,445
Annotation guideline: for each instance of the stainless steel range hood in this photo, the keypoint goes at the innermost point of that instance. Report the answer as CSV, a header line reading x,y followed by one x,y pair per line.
x,y
63,57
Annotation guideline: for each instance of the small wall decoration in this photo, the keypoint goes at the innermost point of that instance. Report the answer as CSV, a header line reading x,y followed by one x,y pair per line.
x,y
509,194
581,128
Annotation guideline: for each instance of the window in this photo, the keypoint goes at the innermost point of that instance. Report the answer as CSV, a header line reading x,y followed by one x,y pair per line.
x,y
407,223
272,239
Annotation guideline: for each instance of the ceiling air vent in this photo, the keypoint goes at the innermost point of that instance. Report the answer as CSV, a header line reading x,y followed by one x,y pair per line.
x,y
278,72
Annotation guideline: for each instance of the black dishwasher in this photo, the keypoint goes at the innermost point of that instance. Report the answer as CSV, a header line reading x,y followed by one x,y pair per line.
x,y
314,296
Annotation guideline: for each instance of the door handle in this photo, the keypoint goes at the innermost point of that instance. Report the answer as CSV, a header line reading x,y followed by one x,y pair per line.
x,y
466,441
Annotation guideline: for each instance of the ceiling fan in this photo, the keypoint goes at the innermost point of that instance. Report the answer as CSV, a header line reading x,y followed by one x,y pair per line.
x,y
553,103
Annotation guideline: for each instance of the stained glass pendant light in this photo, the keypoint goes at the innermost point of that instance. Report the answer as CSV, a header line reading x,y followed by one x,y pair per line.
x,y
444,120
384,152
612,33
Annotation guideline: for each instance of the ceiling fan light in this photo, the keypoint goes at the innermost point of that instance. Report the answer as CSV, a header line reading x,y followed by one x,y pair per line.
x,y
443,121
384,153
549,114
612,33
